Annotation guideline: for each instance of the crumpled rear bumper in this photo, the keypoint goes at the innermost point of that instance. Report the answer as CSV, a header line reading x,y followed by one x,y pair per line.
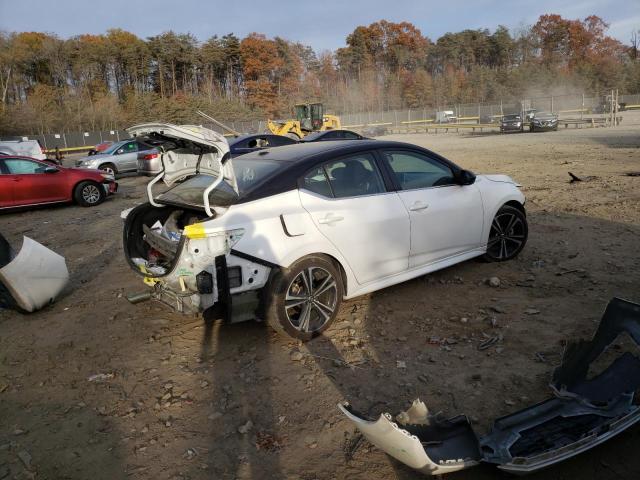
x,y
431,446
584,412
35,276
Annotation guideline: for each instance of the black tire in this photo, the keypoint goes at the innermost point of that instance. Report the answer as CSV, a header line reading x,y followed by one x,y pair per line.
x,y
108,168
508,234
89,194
303,317
531,129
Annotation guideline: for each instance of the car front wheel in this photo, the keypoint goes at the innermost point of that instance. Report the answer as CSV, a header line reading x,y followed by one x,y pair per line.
x,y
89,194
108,168
508,235
302,301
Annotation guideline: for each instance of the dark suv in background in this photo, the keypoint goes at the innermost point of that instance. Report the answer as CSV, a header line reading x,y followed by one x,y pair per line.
x,y
511,123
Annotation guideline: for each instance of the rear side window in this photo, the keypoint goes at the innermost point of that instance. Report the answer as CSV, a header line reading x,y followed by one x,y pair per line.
x,y
414,170
354,176
350,136
278,140
259,142
316,181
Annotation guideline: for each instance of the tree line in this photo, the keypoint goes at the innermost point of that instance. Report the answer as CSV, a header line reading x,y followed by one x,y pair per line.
x,y
90,82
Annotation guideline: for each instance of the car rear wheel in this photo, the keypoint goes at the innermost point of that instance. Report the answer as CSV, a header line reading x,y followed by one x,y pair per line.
x,y
108,168
303,300
89,194
508,235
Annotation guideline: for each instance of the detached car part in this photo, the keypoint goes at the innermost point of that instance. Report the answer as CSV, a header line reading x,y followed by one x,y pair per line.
x,y
31,279
430,445
583,413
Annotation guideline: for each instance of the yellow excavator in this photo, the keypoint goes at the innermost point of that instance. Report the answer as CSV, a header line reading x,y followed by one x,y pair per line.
x,y
310,117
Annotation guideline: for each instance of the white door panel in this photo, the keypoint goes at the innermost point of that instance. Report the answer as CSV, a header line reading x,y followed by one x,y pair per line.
x,y
371,232
444,221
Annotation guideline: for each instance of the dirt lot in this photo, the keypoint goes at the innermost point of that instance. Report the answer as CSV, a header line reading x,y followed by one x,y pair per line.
x,y
180,388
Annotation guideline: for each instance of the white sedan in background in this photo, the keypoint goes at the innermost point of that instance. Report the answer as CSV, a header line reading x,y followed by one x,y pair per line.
x,y
284,235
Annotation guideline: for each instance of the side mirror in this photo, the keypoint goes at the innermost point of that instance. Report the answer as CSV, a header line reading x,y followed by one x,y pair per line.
x,y
51,170
120,151
465,177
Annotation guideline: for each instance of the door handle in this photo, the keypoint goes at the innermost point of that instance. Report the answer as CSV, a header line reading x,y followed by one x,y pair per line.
x,y
417,206
330,218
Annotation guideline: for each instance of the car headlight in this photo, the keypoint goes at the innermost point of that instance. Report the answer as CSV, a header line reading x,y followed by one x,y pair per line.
x,y
518,124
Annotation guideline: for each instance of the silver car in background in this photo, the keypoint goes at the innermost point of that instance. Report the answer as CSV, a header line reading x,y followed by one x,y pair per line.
x,y
149,162
120,157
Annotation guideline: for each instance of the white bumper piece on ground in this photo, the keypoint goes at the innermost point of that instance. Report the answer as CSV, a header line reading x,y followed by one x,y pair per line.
x,y
35,276
406,447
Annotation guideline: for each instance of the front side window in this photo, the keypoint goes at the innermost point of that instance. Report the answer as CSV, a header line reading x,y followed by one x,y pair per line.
x,y
415,170
19,166
130,147
353,176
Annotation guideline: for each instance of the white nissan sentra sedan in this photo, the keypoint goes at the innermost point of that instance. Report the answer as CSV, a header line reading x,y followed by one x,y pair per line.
x,y
284,235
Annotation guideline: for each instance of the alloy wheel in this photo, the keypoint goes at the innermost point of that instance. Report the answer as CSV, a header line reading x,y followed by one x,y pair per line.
x,y
507,235
91,194
311,299
108,170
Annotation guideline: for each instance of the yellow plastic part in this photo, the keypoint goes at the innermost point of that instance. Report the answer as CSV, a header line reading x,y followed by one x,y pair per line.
x,y
147,280
194,231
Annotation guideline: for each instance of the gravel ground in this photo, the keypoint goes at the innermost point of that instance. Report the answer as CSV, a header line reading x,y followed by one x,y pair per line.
x,y
186,399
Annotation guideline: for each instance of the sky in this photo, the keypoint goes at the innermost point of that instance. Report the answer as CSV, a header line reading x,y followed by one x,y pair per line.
x,y
323,24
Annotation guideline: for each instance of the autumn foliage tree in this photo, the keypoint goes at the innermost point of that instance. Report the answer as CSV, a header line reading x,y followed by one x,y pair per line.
x,y
110,80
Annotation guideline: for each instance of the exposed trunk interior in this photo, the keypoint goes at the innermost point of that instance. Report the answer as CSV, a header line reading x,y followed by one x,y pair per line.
x,y
152,238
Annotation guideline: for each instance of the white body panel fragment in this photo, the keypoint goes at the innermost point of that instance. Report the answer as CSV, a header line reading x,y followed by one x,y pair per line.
x,y
36,276
401,445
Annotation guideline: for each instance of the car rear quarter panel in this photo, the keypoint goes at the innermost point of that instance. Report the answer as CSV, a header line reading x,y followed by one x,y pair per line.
x,y
278,230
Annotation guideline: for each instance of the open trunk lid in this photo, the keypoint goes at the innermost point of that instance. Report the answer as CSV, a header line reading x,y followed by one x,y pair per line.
x,y
188,150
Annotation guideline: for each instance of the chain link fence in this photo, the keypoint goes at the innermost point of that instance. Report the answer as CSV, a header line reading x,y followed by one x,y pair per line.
x,y
566,106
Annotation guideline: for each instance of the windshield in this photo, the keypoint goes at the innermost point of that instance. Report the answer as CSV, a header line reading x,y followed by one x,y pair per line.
x,y
511,117
249,173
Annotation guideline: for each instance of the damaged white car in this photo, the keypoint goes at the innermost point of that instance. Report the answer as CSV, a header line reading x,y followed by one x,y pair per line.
x,y
284,235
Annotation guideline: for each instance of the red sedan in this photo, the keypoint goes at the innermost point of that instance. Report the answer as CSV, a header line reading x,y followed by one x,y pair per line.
x,y
26,181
